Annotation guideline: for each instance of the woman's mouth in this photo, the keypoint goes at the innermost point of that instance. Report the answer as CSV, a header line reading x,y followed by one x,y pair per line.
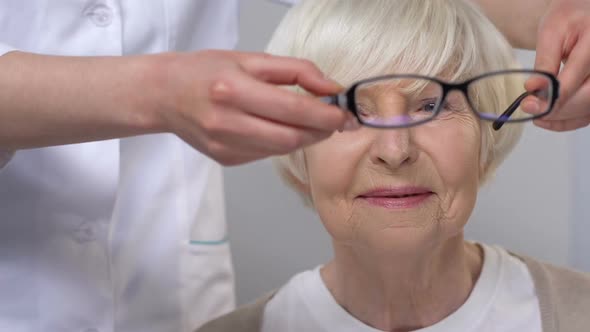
x,y
397,198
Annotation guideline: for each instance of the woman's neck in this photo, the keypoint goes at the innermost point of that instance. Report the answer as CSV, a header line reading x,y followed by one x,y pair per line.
x,y
406,292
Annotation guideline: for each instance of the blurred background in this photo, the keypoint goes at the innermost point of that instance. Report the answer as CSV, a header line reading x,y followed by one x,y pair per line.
x,y
535,206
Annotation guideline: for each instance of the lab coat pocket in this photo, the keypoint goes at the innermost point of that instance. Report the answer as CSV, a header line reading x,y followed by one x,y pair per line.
x,y
207,284
208,227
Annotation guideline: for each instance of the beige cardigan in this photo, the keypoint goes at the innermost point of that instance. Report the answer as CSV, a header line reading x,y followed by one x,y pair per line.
x,y
564,299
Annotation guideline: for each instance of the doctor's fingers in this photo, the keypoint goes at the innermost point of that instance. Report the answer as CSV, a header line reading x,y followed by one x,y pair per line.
x,y
233,137
575,73
574,114
564,35
277,104
288,71
563,125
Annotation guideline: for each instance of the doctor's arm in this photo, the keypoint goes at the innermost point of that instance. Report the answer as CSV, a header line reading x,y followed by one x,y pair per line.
x,y
226,104
559,30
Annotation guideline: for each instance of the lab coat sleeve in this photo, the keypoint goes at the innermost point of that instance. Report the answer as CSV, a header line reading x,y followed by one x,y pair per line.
x,y
5,155
5,49
286,2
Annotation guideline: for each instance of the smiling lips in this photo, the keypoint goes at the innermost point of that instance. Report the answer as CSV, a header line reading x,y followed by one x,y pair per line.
x,y
397,198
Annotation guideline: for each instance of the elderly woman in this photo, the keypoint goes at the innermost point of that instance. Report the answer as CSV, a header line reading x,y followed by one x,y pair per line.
x,y
396,194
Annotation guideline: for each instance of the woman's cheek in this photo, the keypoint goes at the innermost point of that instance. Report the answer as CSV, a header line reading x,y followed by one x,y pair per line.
x,y
334,168
453,146
333,164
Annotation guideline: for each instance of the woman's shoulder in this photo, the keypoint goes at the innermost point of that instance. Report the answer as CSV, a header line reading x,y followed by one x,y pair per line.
x,y
249,317
246,318
563,293
558,277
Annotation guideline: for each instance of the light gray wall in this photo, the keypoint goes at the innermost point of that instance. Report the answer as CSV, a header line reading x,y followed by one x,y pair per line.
x,y
580,175
526,208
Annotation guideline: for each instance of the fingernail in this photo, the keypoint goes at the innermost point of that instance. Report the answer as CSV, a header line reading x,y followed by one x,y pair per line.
x,y
531,107
334,83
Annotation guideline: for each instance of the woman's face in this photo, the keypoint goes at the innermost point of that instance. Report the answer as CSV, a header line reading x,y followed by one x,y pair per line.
x,y
398,189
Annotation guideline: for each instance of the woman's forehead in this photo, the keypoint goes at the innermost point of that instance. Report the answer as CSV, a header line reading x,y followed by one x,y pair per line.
x,y
402,88
349,75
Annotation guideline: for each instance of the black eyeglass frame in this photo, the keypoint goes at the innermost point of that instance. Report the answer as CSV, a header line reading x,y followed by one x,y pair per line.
x,y
346,100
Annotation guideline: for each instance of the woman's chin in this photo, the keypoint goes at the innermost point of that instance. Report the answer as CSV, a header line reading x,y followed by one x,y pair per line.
x,y
406,235
394,243
419,213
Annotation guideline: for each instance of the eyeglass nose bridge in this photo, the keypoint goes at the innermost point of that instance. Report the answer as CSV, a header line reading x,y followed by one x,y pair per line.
x,y
462,87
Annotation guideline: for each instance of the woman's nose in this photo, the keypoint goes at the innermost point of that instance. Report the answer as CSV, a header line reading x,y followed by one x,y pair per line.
x,y
393,148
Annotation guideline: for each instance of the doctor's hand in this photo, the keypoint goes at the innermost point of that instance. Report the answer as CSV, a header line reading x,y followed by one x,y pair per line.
x,y
564,36
229,105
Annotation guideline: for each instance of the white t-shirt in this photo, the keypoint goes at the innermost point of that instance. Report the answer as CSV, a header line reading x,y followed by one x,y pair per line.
x,y
503,300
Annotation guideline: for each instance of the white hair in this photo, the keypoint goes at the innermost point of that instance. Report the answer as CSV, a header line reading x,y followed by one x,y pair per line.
x,y
355,39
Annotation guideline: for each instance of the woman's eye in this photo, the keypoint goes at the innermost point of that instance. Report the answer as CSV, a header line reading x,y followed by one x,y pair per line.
x,y
428,106
363,110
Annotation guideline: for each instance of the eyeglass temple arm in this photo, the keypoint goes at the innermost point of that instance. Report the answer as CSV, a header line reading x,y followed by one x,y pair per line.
x,y
497,125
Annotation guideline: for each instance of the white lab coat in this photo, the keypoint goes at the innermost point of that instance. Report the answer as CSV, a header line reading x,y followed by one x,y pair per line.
x,y
121,235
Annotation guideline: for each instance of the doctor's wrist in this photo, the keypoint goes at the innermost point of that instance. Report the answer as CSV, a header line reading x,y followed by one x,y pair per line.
x,y
141,96
153,100
517,21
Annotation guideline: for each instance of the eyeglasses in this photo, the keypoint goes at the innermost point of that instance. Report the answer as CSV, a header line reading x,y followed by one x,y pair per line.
x,y
402,101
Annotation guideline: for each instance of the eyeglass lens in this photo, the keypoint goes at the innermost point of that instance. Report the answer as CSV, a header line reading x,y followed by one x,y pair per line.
x,y
397,101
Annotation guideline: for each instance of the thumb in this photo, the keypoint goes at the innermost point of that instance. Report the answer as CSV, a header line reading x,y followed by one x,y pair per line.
x,y
549,55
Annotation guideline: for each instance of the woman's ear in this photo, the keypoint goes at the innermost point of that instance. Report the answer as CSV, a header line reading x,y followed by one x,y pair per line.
x,y
485,155
482,173
300,186
292,169
295,182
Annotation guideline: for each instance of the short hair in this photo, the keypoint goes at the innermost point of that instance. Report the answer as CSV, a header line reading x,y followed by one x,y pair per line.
x,y
354,39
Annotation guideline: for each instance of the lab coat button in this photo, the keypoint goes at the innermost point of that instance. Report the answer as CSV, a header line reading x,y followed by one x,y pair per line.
x,y
100,15
85,233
